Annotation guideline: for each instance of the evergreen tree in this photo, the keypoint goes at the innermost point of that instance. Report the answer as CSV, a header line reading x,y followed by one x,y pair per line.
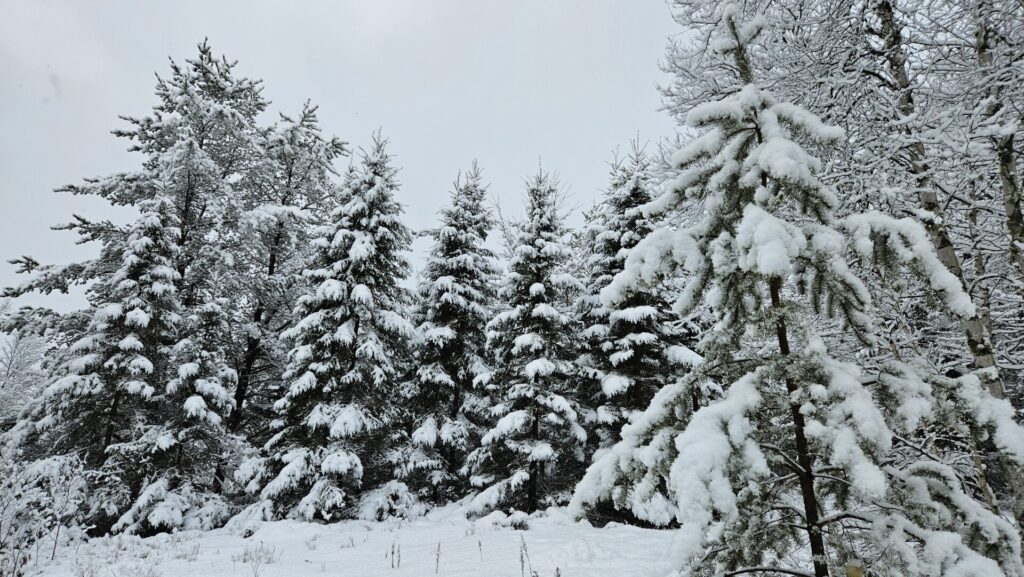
x,y
928,133
145,421
198,144
636,346
345,363
202,143
287,195
456,299
527,458
795,453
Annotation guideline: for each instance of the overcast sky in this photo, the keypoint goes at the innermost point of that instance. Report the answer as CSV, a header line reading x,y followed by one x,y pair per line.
x,y
509,83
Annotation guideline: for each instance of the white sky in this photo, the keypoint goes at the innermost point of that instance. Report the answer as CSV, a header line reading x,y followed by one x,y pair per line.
x,y
510,83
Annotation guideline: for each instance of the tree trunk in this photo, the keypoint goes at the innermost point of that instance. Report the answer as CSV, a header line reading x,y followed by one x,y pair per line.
x,y
984,295
1012,201
1008,472
804,457
1005,154
532,489
108,433
896,59
252,352
254,344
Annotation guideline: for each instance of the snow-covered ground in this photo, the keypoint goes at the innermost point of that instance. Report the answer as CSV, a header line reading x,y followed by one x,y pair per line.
x,y
442,543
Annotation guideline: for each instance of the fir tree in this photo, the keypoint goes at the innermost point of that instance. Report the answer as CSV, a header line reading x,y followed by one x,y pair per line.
x,y
636,346
456,299
344,366
797,454
527,458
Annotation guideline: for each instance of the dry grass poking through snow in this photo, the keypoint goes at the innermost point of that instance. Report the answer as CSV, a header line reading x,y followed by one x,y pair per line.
x,y
443,543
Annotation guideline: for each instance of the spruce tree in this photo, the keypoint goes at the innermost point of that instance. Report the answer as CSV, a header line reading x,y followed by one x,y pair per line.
x,y
796,463
636,346
455,301
197,146
134,399
528,457
345,363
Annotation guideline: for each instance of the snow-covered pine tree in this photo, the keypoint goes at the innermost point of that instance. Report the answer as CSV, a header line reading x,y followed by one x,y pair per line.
x,y
927,133
344,367
287,196
530,457
198,144
930,132
636,346
790,469
456,299
186,438
111,403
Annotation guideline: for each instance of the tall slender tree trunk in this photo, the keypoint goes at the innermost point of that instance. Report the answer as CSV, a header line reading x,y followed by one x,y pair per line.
x,y
108,432
804,459
1012,201
896,59
1005,155
252,352
532,488
254,343
985,314
981,288
1012,476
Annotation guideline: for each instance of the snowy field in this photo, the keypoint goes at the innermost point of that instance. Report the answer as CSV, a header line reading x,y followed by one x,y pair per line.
x,y
443,543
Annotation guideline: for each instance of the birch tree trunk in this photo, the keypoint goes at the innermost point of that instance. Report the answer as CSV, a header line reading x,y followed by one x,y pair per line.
x,y
896,59
1006,157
